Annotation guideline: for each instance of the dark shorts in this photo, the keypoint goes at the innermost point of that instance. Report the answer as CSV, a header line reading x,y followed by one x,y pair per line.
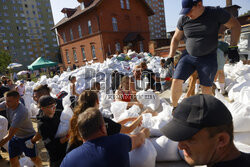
x,y
17,147
206,67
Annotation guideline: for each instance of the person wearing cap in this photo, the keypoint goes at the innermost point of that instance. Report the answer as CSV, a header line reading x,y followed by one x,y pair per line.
x,y
20,131
48,122
200,25
203,126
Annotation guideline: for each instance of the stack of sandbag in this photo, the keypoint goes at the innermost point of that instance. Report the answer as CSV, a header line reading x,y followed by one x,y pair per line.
x,y
144,156
241,120
63,127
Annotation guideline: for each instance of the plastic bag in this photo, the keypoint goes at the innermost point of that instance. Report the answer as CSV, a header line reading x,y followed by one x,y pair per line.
x,y
63,127
144,156
167,150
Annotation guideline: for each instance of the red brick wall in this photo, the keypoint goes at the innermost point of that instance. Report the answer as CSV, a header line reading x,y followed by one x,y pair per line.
x,y
133,20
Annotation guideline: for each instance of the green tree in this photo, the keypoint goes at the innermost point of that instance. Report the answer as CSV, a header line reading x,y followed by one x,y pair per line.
x,y
246,13
5,60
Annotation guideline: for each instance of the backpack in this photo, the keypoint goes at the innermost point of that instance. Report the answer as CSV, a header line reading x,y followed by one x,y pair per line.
x,y
61,95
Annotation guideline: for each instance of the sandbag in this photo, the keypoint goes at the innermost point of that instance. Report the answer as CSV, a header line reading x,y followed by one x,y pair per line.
x,y
144,156
149,99
3,130
167,150
241,116
117,108
245,95
242,147
242,137
63,127
26,162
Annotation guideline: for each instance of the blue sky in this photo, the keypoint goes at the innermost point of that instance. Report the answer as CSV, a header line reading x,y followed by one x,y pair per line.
x,y
172,8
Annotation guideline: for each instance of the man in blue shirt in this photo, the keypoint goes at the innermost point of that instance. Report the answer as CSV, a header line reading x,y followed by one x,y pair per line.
x,y
98,149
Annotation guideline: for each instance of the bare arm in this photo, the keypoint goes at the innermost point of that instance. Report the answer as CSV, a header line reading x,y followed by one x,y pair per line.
x,y
234,25
74,90
138,139
12,131
132,126
36,138
175,42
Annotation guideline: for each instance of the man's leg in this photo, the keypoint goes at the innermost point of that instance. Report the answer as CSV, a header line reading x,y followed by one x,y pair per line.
x,y
14,162
206,90
37,161
191,84
176,91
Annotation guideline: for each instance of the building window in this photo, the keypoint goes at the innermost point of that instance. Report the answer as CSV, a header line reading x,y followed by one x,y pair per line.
x,y
71,35
80,31
83,53
89,27
74,54
114,23
122,4
64,38
117,46
141,46
67,56
127,3
93,51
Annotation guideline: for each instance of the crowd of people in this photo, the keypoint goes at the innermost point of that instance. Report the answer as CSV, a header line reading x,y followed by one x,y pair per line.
x,y
201,124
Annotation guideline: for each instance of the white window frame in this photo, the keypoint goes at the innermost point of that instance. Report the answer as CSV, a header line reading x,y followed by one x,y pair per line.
x,y
141,46
118,46
89,27
80,31
122,4
75,55
64,38
127,4
67,56
71,34
83,53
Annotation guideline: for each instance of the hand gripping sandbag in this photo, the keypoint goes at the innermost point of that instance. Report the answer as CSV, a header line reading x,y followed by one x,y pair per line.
x,y
144,156
63,127
167,150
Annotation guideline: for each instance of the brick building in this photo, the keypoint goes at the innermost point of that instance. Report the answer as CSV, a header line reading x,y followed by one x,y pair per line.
x,y
97,28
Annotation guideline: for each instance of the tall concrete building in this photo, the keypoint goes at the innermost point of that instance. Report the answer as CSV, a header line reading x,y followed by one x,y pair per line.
x,y
25,30
157,25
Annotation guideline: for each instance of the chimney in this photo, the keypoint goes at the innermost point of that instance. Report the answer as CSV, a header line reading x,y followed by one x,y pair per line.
x,y
229,3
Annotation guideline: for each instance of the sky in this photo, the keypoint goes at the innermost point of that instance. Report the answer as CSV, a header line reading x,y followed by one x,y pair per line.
x,y
172,9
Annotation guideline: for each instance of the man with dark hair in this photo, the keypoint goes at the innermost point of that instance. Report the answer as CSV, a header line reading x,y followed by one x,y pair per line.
x,y
98,149
3,89
203,126
42,90
200,25
21,129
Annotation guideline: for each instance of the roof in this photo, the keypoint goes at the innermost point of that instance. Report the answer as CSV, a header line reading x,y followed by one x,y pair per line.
x,y
92,6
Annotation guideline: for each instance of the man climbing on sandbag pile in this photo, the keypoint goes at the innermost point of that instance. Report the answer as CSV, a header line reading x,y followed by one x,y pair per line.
x,y
203,126
48,122
200,26
98,149
20,131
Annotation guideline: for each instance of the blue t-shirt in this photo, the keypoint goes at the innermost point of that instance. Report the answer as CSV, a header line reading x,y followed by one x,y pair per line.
x,y
107,151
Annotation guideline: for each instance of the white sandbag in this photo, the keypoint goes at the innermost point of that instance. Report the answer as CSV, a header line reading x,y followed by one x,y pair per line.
x,y
117,108
167,150
242,147
219,96
143,156
241,116
148,99
245,95
26,162
63,127
234,93
242,137
27,101
132,112
34,110
3,130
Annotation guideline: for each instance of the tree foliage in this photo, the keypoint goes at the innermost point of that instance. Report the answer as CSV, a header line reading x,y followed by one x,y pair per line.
x,y
246,13
5,60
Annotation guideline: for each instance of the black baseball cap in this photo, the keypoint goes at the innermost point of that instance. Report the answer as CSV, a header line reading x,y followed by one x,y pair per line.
x,y
187,5
195,113
45,101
